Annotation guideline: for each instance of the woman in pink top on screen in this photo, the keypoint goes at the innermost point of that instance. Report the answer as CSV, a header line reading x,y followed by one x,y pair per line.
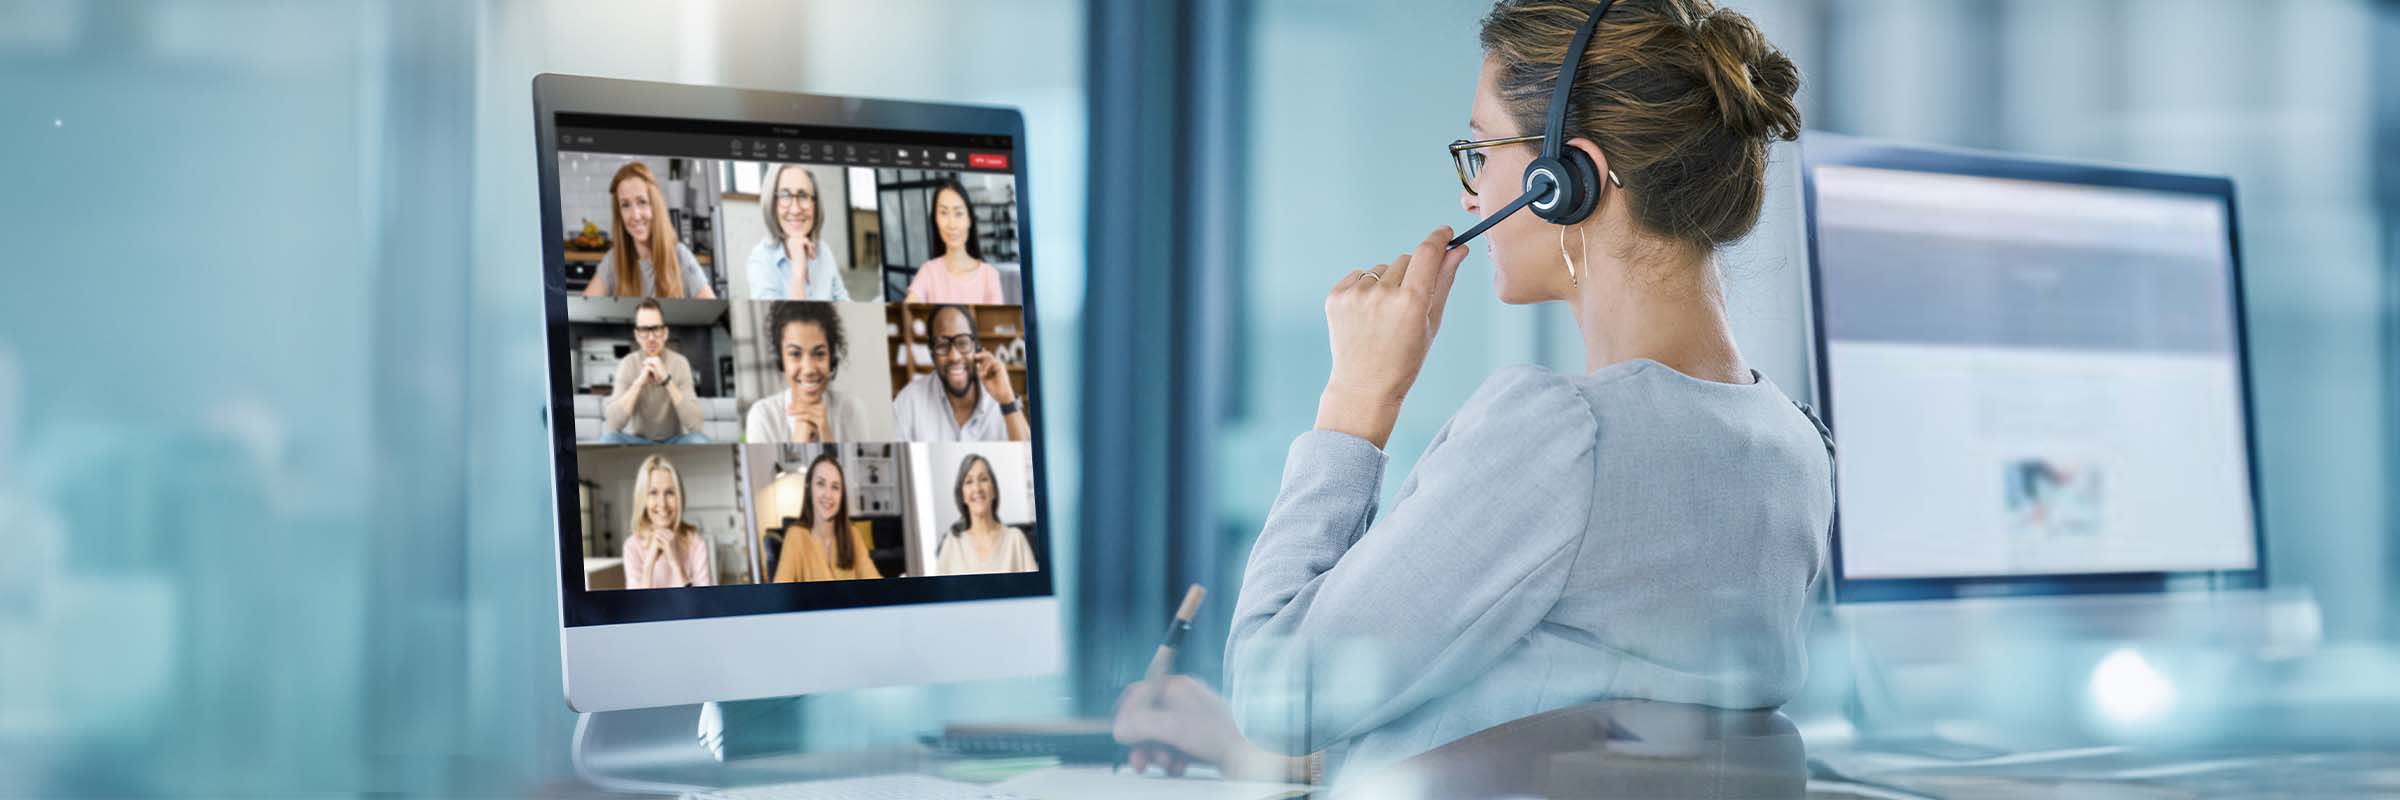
x,y
957,273
664,552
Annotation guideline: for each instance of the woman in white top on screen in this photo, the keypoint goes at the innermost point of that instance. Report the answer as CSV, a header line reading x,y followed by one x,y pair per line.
x,y
957,273
639,207
790,263
978,542
810,347
664,552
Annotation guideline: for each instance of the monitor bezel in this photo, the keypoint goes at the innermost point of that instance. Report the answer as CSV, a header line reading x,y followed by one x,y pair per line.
x,y
556,95
1820,148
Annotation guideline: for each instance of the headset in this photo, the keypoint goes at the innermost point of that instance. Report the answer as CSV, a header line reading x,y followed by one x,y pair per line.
x,y
1563,185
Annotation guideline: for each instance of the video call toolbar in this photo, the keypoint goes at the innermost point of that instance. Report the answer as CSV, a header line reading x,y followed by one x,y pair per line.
x,y
803,144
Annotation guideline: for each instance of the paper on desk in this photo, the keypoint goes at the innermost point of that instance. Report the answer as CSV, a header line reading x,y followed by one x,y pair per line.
x,y
1077,783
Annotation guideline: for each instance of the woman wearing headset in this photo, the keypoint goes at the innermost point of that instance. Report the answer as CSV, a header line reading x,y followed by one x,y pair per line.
x,y
1648,528
809,348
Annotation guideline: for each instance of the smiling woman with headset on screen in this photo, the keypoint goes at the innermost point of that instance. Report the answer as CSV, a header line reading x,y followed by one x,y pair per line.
x,y
1647,529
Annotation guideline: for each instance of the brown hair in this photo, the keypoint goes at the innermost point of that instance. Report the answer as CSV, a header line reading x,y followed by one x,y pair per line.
x,y
666,265
1681,96
845,552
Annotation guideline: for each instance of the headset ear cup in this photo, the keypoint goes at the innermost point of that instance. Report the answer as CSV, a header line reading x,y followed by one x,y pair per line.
x,y
1583,185
1561,196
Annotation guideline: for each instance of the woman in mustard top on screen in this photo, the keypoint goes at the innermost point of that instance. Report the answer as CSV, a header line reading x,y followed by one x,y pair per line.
x,y
643,238
957,273
825,545
1644,527
664,552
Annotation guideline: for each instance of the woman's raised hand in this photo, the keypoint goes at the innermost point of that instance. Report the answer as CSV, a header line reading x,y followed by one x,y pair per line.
x,y
1381,322
798,290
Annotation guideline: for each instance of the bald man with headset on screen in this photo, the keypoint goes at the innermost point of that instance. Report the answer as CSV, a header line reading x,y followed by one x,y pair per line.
x,y
1647,528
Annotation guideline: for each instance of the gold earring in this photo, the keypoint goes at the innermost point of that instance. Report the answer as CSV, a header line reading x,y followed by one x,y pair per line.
x,y
1572,280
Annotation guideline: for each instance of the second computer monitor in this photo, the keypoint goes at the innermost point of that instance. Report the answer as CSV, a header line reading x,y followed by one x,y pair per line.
x,y
2035,370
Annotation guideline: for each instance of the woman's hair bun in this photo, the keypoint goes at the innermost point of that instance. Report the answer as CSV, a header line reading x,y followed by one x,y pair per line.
x,y
1754,82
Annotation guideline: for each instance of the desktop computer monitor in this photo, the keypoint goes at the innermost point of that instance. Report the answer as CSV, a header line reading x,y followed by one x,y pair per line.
x,y
794,430
2036,373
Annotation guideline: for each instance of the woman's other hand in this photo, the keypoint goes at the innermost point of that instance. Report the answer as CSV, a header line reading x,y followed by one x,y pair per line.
x,y
1381,323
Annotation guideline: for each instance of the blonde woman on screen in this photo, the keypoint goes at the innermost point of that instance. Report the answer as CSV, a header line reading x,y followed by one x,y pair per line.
x,y
664,552
825,545
978,542
639,219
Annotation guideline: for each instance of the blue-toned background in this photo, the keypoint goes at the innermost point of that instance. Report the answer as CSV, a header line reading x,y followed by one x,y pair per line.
x,y
271,462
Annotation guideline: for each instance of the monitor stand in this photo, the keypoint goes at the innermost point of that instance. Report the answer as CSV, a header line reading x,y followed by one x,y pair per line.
x,y
678,749
1980,677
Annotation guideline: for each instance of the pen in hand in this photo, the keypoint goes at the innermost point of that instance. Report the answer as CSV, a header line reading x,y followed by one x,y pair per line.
x,y
1163,661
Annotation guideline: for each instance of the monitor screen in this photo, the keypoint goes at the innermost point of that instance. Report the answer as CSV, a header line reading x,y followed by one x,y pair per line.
x,y
792,367
2031,377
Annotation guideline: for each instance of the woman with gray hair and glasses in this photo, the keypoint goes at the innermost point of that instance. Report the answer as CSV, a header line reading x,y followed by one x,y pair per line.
x,y
791,263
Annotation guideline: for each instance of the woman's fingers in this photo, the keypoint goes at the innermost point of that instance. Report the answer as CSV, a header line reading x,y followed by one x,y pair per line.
x,y
1429,253
1397,273
1347,279
1441,286
1133,712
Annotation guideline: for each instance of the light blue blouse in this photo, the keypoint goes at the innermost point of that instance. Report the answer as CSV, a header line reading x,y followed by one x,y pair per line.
x,y
770,271
1631,533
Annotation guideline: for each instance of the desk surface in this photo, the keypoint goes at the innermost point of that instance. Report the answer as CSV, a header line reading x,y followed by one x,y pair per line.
x,y
2133,773
2104,772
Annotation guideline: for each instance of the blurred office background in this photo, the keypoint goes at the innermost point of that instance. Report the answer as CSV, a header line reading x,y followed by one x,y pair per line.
x,y
271,456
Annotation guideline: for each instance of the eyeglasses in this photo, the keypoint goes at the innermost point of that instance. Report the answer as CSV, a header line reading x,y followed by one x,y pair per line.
x,y
783,196
1467,156
650,330
962,344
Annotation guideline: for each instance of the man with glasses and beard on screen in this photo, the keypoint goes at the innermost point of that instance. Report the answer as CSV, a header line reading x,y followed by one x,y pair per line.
x,y
652,401
967,397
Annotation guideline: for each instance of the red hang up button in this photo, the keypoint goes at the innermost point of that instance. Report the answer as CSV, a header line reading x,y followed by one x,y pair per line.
x,y
987,160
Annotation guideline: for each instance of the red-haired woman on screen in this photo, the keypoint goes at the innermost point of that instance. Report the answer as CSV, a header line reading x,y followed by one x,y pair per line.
x,y
638,219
